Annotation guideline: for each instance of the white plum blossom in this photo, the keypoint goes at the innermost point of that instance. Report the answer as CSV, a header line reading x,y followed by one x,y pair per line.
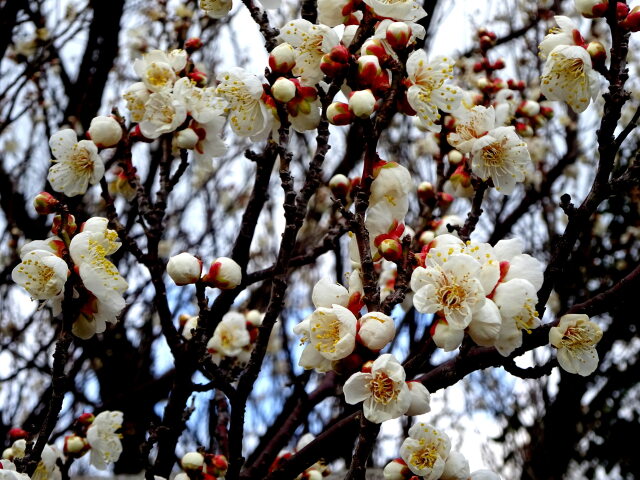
x,y
502,156
47,468
451,287
516,300
445,336
229,338
515,264
106,445
243,92
332,13
76,164
429,91
203,104
41,273
376,330
397,9
425,451
474,124
157,70
576,337
585,7
568,76
310,42
566,33
383,391
456,467
136,97
163,113
209,144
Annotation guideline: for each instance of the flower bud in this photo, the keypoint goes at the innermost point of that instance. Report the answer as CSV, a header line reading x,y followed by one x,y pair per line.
x,y
254,317
86,419
396,470
524,129
444,200
340,186
598,53
282,58
398,35
216,465
368,69
376,330
17,434
456,467
192,461
529,108
455,157
631,23
75,446
338,113
199,78
70,226
586,7
224,273
390,249
427,237
426,191
184,268
45,203
186,138
283,89
105,132
374,46
420,399
193,44
446,337
362,103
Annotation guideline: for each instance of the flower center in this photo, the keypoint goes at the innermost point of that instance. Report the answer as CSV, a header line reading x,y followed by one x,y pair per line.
x,y
425,457
328,336
451,295
159,75
493,154
382,388
81,161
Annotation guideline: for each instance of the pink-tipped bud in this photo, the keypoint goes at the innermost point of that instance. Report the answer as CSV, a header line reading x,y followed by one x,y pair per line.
x,y
136,136
224,273
192,461
340,54
486,42
184,268
622,10
17,433
498,64
282,58
396,470
426,237
398,35
444,200
105,131
461,177
75,446
529,108
598,53
45,203
186,138
547,112
426,191
374,46
367,366
200,78
70,226
362,103
283,90
524,129
340,186
631,23
338,113
216,465
193,44
591,8
368,69
390,249
446,337
86,419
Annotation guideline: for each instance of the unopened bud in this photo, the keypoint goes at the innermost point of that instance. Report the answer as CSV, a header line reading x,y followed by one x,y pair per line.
x,y
524,129
376,330
283,89
591,8
224,273
338,113
368,69
426,191
455,157
70,225
420,399
199,78
340,186
362,103
75,446
217,465
398,35
427,237
86,419
631,23
184,268
186,138
192,461
529,108
444,199
390,249
374,46
193,44
396,470
282,58
45,203
367,366
105,131
17,434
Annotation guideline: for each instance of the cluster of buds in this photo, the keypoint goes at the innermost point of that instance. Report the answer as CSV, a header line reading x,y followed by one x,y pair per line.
x,y
185,269
317,471
203,466
76,444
